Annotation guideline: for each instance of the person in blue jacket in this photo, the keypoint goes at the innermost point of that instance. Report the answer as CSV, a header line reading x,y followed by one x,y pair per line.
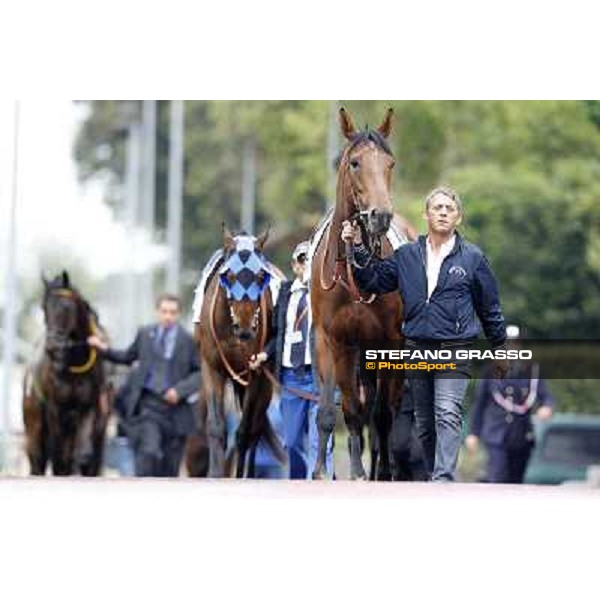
x,y
501,417
445,282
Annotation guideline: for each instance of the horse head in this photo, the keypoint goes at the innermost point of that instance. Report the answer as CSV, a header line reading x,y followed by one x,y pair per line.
x,y
365,174
66,315
244,277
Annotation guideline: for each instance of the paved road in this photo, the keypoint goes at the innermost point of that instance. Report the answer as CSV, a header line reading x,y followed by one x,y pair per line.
x,y
263,489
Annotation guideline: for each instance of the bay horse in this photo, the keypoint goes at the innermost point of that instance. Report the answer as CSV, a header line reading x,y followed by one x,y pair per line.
x,y
65,393
235,323
342,316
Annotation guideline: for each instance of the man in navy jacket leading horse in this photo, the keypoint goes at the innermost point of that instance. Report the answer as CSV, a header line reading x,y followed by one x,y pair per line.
x,y
444,281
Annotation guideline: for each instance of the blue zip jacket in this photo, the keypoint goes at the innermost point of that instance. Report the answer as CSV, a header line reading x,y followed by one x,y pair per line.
x,y
466,287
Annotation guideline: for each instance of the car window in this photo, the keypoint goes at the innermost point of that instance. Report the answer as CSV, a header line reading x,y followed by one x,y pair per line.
x,y
572,445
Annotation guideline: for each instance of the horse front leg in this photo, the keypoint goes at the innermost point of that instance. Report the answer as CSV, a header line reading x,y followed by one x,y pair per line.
x,y
326,415
325,426
241,451
62,438
35,434
242,435
353,412
101,416
63,457
215,420
84,447
370,391
252,462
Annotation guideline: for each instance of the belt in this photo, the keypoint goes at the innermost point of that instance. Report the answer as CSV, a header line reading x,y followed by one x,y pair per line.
x,y
300,369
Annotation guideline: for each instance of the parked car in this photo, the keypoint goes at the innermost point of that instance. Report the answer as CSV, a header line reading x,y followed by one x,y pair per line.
x,y
565,447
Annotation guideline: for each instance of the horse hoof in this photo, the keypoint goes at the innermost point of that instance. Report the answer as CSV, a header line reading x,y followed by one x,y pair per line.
x,y
384,476
358,475
319,475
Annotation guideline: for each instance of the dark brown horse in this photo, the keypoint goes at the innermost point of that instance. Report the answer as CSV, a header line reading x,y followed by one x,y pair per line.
x,y
235,323
342,316
65,396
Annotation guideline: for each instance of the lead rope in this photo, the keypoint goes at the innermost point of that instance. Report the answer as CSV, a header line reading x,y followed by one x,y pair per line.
x,y
91,361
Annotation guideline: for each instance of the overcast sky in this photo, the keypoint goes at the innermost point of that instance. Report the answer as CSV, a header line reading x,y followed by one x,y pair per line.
x,y
54,213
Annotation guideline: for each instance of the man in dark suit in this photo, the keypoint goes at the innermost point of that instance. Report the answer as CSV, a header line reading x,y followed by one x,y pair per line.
x,y
501,417
156,409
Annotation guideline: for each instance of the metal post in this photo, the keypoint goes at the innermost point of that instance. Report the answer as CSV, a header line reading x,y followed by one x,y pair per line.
x,y
10,300
132,194
248,186
148,198
175,194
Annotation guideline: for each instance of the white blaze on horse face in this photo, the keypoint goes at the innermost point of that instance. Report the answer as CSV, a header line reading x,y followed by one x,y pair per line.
x,y
373,178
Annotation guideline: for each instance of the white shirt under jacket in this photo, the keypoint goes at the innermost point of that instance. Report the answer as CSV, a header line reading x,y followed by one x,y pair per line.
x,y
434,262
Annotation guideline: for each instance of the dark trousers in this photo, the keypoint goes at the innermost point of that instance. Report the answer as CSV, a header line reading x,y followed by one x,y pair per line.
x,y
507,466
407,452
157,446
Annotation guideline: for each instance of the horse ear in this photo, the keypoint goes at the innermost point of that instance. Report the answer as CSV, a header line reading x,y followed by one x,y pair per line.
x,y
65,280
261,240
228,241
386,127
348,129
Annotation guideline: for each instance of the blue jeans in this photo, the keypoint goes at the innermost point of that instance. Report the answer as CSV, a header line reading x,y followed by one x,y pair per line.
x,y
119,455
300,425
438,401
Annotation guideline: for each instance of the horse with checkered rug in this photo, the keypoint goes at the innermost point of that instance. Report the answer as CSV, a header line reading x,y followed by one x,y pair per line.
x,y
233,322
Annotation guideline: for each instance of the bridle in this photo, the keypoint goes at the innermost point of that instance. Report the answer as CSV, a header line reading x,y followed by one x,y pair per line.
x,y
371,240
59,341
